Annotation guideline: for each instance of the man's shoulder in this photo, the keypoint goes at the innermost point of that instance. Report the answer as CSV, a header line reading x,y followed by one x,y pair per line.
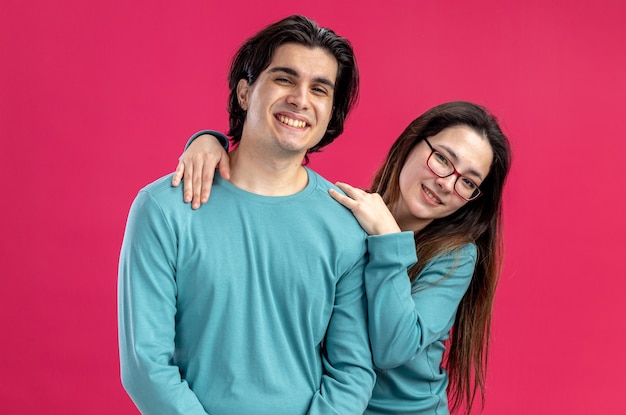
x,y
322,186
159,185
332,211
320,181
162,191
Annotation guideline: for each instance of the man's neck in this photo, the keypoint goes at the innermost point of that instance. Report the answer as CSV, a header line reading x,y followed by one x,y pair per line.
x,y
265,174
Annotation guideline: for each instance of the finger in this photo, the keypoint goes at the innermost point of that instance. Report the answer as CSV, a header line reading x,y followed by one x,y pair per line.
x,y
178,173
224,166
344,200
198,163
207,183
351,191
187,183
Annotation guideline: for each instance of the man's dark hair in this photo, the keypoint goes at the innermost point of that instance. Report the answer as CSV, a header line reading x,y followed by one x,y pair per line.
x,y
256,54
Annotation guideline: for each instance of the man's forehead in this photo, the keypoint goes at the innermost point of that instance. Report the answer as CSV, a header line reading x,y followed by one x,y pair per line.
x,y
302,60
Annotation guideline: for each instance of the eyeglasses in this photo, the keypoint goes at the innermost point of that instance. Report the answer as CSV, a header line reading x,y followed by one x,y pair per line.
x,y
442,167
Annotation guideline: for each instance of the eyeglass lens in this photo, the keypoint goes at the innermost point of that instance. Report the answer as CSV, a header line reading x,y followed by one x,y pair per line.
x,y
442,167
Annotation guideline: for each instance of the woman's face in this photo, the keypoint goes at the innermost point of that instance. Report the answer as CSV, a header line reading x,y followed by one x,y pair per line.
x,y
425,196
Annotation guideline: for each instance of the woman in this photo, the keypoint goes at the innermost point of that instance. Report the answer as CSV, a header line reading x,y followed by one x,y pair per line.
x,y
438,196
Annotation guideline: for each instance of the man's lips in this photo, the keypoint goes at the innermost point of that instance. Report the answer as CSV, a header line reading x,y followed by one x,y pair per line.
x,y
292,122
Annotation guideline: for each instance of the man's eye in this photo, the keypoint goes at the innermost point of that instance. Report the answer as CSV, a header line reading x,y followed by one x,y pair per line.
x,y
283,80
320,91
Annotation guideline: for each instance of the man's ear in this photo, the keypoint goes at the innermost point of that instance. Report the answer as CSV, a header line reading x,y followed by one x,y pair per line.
x,y
243,89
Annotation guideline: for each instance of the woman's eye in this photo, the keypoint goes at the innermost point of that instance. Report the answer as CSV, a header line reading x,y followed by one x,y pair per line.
x,y
468,183
441,158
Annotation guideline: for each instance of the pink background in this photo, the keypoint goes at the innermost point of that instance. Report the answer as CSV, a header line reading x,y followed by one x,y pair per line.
x,y
98,98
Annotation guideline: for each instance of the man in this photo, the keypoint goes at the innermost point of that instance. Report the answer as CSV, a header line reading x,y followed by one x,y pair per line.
x,y
255,303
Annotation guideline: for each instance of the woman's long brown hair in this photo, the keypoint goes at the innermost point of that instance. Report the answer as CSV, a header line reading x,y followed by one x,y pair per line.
x,y
478,222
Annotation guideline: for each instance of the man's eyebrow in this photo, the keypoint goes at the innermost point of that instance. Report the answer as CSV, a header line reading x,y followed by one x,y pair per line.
x,y
455,160
293,72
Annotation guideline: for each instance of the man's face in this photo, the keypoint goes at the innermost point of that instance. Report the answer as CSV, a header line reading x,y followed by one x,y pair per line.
x,y
290,104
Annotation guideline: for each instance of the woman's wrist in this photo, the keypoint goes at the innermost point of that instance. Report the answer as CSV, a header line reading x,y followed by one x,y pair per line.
x,y
218,136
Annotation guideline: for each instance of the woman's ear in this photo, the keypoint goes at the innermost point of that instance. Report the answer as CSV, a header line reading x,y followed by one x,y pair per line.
x,y
242,94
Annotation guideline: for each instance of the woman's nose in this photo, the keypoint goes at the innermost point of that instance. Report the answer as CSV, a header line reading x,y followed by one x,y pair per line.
x,y
447,183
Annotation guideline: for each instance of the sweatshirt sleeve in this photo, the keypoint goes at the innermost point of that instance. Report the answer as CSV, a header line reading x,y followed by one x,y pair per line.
x,y
403,319
219,136
349,376
146,314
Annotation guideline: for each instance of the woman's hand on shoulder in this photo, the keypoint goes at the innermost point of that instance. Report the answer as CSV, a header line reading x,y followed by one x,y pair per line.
x,y
368,208
196,167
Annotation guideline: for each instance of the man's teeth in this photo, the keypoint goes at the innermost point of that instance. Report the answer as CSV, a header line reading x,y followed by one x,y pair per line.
x,y
292,123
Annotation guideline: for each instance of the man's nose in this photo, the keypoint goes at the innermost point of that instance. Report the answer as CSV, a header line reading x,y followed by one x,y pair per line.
x,y
298,97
